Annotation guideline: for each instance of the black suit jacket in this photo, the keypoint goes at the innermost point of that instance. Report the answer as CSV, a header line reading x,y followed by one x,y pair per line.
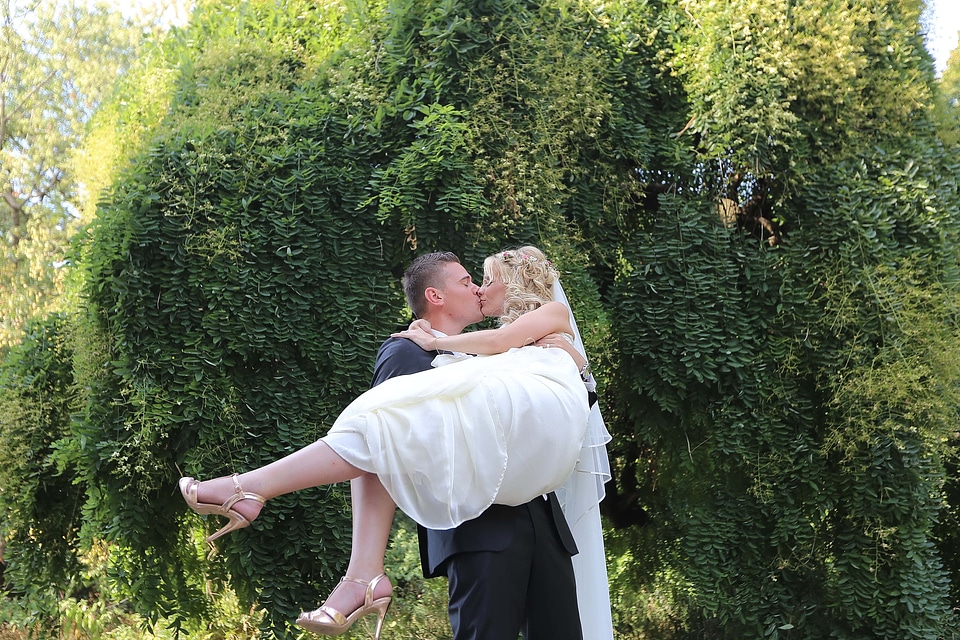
x,y
492,530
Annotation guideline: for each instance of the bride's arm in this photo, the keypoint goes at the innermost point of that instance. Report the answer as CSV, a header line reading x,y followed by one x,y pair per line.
x,y
527,329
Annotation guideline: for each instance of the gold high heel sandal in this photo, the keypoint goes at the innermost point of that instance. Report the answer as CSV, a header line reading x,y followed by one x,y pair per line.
x,y
188,487
330,622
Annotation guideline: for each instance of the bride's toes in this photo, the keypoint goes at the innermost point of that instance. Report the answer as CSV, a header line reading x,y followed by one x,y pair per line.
x,y
216,491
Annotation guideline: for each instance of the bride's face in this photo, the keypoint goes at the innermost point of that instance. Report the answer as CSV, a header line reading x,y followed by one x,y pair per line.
x,y
492,294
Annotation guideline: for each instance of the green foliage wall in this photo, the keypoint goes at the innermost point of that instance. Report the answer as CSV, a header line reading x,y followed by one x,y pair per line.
x,y
761,245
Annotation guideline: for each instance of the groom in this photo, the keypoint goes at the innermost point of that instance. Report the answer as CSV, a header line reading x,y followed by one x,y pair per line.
x,y
509,570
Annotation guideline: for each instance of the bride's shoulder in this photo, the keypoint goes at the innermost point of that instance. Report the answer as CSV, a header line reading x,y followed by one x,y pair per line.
x,y
555,307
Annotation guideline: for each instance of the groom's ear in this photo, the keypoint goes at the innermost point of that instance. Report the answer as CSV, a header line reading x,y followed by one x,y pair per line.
x,y
432,296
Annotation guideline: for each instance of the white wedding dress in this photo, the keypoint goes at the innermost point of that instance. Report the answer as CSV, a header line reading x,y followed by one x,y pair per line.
x,y
449,442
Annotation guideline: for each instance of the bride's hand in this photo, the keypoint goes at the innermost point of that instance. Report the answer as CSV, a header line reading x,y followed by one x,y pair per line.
x,y
553,340
422,337
421,324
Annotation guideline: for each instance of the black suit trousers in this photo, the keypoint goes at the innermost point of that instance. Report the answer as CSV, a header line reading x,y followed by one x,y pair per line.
x,y
527,587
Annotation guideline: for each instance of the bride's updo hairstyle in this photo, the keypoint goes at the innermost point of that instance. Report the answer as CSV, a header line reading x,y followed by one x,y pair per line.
x,y
528,277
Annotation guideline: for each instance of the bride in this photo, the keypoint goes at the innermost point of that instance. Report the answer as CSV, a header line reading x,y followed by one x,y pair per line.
x,y
449,442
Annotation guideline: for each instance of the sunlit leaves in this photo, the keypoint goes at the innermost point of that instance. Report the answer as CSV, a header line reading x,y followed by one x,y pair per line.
x,y
58,60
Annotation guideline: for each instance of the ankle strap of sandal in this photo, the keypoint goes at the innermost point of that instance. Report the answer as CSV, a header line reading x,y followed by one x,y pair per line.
x,y
371,585
239,494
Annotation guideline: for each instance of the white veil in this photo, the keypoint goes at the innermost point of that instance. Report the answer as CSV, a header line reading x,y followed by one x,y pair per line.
x,y
580,498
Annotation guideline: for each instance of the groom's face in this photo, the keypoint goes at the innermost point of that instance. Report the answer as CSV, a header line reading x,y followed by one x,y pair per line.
x,y
460,294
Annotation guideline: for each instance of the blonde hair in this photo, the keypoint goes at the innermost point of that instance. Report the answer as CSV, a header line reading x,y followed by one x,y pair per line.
x,y
528,277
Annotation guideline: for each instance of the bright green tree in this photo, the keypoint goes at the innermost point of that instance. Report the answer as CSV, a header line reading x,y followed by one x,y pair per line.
x,y
947,106
58,60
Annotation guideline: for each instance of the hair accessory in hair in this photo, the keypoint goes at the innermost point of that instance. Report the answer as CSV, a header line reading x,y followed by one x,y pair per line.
x,y
508,255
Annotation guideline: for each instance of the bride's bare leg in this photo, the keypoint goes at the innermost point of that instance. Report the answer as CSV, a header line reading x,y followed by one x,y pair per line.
x,y
373,511
314,465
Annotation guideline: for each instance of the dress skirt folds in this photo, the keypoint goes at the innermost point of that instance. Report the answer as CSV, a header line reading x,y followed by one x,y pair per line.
x,y
449,442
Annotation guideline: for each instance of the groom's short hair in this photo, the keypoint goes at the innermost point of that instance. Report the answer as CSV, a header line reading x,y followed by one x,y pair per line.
x,y
424,272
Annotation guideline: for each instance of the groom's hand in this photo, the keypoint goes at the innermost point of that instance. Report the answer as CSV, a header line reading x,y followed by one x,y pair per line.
x,y
559,341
